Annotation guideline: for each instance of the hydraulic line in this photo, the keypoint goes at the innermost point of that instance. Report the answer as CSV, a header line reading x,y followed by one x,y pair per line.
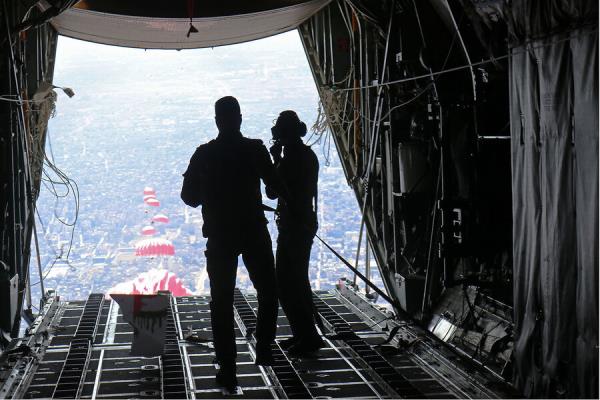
x,y
367,263
374,137
356,93
39,261
360,235
28,290
378,105
331,44
324,32
428,277
443,9
424,47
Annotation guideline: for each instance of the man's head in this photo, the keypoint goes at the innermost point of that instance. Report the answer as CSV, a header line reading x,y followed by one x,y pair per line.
x,y
227,114
288,127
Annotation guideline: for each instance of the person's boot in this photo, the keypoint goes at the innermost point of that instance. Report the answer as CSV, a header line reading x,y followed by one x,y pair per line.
x,y
306,347
226,377
264,354
285,344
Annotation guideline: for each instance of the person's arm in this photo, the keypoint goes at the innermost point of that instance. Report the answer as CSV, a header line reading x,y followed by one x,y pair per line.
x,y
194,181
271,192
304,178
274,186
275,151
314,192
314,173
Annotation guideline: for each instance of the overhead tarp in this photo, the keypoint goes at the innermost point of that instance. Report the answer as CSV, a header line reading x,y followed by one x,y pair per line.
x,y
182,8
161,32
554,129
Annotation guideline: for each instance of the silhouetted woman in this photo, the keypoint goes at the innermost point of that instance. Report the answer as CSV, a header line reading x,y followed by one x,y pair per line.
x,y
298,168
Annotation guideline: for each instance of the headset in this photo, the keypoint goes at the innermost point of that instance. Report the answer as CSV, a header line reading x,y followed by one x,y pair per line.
x,y
288,123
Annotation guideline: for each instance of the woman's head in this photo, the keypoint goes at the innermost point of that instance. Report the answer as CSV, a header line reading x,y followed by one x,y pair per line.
x,y
288,127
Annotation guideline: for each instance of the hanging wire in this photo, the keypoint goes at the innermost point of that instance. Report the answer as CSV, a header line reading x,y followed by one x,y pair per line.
x,y
57,255
319,127
327,153
460,67
54,183
367,17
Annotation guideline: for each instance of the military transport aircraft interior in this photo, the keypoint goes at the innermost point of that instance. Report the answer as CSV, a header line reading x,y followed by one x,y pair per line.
x,y
467,134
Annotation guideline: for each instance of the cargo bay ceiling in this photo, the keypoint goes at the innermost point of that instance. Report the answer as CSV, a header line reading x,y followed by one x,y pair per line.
x,y
467,129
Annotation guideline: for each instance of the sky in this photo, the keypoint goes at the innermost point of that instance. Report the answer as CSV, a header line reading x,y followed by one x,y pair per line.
x,y
199,75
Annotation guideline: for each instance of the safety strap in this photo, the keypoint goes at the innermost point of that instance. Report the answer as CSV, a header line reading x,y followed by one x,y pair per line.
x,y
391,336
359,274
350,266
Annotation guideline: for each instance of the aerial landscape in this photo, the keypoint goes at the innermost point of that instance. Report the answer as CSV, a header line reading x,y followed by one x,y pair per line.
x,y
135,120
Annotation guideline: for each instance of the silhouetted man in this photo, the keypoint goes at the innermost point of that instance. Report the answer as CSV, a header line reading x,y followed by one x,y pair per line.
x,y
298,170
224,177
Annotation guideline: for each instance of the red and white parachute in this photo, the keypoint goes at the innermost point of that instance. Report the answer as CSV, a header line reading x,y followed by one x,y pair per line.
x,y
148,230
153,202
149,196
149,190
161,218
153,247
151,282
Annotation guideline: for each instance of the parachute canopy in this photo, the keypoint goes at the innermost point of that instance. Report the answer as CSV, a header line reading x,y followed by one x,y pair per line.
x,y
154,247
153,202
161,218
149,190
148,230
151,282
149,196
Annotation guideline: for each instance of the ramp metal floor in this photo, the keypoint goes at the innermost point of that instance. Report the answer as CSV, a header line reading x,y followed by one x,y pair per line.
x,y
81,350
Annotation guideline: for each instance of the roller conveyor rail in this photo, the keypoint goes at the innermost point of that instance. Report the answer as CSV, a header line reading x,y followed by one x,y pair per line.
x,y
69,383
70,379
81,349
173,375
365,352
89,319
292,386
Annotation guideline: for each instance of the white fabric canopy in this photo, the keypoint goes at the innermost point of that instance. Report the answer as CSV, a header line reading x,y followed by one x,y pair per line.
x,y
170,33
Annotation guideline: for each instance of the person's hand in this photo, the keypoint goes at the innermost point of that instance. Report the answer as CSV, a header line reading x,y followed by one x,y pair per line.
x,y
275,151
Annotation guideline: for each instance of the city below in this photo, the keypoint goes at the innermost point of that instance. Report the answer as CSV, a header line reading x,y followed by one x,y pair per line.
x,y
133,124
